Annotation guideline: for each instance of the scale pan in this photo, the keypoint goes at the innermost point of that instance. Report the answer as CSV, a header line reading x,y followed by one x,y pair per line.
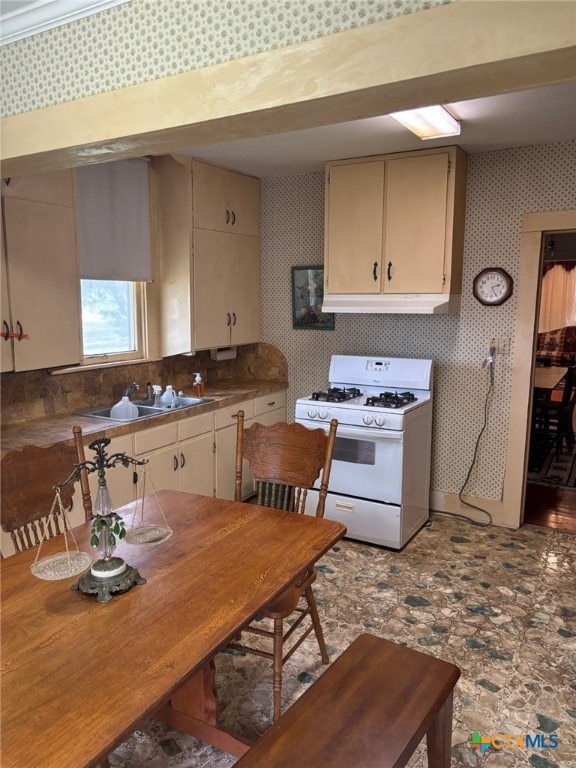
x,y
61,566
148,534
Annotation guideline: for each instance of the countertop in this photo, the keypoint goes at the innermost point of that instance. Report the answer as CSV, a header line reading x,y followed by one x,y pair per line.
x,y
54,429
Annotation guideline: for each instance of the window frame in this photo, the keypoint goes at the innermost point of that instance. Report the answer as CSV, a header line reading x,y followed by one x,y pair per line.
x,y
140,334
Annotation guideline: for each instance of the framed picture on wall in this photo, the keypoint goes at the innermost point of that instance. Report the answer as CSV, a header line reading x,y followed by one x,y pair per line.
x,y
307,298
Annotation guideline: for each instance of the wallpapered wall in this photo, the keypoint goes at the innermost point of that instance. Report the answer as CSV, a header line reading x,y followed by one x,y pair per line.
x,y
502,186
147,39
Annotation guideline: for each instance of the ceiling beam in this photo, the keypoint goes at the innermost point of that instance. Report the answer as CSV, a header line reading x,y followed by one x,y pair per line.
x,y
449,53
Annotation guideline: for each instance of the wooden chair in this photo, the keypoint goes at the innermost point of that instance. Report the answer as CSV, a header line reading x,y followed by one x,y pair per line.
x,y
28,477
552,419
286,460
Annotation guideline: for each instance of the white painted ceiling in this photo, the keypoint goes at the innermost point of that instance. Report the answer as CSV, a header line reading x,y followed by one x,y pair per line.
x,y
535,116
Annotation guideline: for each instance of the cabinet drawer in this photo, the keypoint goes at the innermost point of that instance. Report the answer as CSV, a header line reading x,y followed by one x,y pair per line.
x,y
269,403
227,416
158,437
196,425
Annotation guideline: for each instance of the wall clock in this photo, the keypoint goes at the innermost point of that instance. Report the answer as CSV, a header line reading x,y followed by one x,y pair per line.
x,y
492,286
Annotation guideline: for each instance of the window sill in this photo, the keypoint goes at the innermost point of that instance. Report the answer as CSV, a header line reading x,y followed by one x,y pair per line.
x,y
97,366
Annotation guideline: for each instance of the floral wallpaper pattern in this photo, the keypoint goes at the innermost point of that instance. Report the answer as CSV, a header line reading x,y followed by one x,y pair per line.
x,y
148,39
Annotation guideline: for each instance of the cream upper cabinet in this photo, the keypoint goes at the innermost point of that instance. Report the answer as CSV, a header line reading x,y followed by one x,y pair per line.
x,y
395,223
226,289
209,276
225,201
41,289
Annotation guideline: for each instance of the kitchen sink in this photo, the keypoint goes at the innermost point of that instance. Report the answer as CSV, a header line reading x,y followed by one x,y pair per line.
x,y
146,410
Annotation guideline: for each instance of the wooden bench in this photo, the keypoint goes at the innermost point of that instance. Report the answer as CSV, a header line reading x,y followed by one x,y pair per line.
x,y
370,709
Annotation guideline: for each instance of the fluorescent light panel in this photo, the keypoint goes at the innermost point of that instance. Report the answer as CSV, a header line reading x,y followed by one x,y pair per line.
x,y
429,122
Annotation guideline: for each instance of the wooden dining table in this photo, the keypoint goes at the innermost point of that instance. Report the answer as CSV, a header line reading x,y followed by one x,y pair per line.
x,y
548,377
78,676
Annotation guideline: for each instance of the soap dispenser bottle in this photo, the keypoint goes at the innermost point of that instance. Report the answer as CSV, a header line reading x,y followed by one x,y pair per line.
x,y
157,389
198,386
168,397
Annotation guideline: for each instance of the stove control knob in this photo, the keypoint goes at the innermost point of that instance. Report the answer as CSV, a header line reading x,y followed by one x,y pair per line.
x,y
380,421
367,419
323,414
312,413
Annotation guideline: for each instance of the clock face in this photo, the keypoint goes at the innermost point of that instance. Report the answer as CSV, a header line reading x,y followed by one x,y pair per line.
x,y
492,286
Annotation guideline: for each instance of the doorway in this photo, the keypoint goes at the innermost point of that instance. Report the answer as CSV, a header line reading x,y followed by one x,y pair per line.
x,y
550,496
534,227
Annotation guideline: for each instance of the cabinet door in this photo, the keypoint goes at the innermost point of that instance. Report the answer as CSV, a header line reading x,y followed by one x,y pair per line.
x,y
44,284
244,204
197,464
244,277
196,453
56,187
354,228
6,345
415,223
212,315
210,197
225,201
164,467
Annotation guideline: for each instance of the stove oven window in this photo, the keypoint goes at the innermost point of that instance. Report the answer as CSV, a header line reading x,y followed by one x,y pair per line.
x,y
355,451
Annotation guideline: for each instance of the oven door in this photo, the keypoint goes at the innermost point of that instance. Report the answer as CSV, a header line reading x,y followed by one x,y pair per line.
x,y
367,463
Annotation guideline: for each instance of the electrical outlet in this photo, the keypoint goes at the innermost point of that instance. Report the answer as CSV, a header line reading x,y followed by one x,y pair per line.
x,y
501,344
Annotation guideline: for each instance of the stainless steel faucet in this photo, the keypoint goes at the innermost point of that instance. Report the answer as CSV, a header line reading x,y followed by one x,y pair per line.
x,y
130,389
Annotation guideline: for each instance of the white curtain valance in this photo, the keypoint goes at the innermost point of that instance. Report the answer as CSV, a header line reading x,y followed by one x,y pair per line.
x,y
113,221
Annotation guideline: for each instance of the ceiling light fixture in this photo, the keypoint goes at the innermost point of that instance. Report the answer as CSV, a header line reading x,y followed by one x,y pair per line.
x,y
429,122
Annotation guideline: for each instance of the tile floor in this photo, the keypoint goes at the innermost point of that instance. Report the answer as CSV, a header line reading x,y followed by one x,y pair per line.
x,y
498,603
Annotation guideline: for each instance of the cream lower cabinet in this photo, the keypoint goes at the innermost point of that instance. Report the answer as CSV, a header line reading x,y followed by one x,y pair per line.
x,y
180,455
395,223
266,409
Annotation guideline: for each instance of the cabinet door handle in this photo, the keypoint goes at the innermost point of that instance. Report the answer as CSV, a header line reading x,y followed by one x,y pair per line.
x,y
389,272
227,216
233,218
20,330
182,460
233,318
272,403
375,271
229,319
6,331
175,463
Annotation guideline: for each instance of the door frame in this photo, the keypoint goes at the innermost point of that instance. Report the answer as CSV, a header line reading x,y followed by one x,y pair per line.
x,y
534,226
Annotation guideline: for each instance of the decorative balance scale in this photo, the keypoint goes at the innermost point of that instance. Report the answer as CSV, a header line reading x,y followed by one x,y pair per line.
x,y
110,573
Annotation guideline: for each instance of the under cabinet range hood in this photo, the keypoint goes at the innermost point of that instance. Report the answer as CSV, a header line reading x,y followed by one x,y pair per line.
x,y
393,303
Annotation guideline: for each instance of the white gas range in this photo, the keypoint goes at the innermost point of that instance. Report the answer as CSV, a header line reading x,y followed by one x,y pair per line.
x,y
380,480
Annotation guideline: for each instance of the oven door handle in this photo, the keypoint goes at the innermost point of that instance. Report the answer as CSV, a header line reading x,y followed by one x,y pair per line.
x,y
376,434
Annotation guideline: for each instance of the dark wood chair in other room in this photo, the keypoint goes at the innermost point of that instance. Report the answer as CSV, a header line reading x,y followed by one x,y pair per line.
x,y
286,460
28,477
552,419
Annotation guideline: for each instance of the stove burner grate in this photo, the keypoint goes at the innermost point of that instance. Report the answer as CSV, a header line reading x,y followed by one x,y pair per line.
x,y
391,399
337,395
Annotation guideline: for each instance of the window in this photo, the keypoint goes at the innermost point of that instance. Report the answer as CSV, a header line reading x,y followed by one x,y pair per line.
x,y
111,320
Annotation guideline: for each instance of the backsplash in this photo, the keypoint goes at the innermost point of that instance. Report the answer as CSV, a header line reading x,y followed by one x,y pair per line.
x,y
38,394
